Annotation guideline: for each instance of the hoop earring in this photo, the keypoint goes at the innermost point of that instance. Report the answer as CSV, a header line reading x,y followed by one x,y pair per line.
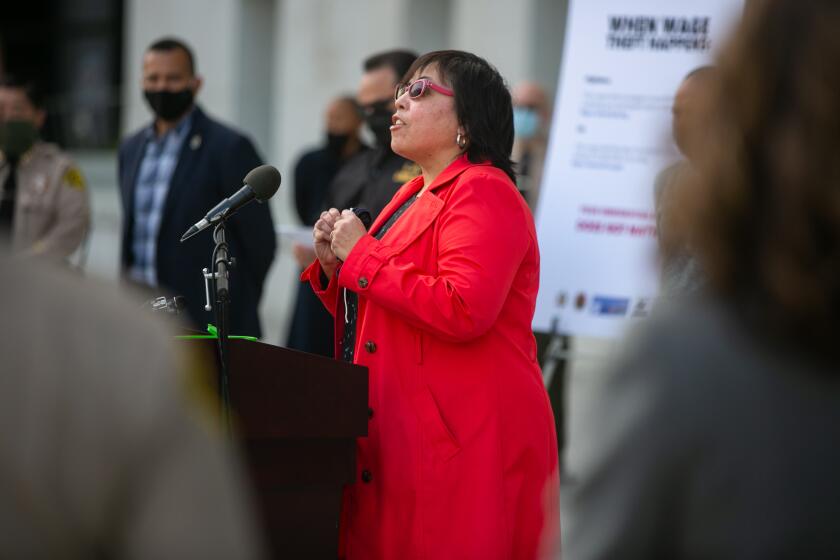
x,y
461,140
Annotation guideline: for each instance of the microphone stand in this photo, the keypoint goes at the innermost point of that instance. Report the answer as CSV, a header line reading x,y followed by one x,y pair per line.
x,y
222,263
555,355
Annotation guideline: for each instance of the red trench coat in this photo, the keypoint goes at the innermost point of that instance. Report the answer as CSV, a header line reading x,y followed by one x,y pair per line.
x,y
461,456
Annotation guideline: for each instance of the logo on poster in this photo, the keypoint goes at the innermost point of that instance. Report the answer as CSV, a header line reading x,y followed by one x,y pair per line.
x,y
605,305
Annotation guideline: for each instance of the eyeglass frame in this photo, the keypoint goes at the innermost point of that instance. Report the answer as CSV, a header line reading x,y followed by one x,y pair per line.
x,y
425,83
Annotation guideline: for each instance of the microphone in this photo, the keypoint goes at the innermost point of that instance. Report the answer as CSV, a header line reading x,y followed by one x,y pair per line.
x,y
364,215
260,183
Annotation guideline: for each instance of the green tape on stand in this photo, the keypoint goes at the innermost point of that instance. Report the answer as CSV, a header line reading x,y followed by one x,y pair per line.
x,y
214,333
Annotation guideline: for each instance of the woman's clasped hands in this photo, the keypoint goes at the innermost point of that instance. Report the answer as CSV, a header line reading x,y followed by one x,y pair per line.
x,y
335,234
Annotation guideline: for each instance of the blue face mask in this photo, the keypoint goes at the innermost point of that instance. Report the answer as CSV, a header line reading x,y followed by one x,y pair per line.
x,y
526,122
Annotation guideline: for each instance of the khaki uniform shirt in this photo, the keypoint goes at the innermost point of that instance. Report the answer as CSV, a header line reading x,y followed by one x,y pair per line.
x,y
52,204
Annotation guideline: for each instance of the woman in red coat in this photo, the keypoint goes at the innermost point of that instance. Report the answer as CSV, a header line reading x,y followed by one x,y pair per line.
x,y
437,300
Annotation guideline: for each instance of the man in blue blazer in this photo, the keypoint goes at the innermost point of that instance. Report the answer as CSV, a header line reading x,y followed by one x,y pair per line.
x,y
171,173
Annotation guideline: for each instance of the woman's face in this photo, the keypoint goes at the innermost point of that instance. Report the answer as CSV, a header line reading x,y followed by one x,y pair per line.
x,y
424,128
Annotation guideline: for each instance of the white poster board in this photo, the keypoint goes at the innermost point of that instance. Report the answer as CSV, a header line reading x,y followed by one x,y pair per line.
x,y
610,136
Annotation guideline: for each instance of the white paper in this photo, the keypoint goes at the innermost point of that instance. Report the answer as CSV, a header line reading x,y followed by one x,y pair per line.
x,y
289,234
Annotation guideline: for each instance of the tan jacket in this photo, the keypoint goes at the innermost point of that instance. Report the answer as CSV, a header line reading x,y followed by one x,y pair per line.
x,y
52,207
106,449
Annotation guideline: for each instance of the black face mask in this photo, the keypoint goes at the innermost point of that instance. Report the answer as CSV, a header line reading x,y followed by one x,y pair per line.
x,y
169,105
16,137
336,143
378,118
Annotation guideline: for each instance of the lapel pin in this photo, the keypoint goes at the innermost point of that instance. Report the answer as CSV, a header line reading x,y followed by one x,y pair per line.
x,y
195,142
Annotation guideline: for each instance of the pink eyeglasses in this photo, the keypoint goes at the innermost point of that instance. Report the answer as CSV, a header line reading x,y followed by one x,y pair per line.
x,y
418,87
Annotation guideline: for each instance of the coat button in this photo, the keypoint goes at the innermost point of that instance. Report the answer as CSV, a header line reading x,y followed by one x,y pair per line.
x,y
367,476
363,282
370,413
370,346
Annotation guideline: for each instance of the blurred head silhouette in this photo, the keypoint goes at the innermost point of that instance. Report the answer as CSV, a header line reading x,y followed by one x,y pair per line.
x,y
690,110
343,121
769,175
530,110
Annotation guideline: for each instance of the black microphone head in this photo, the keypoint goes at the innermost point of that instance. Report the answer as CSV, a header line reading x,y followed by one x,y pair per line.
x,y
264,181
364,215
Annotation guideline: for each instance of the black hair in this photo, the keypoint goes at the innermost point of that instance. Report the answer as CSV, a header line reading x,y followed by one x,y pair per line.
x,y
397,60
168,44
482,104
33,92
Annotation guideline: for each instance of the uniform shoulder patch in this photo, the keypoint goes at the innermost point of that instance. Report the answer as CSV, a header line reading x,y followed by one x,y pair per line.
x,y
406,173
73,178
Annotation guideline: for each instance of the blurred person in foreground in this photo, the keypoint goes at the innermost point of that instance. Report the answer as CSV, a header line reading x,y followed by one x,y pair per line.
x,y
311,328
107,446
171,173
716,434
371,178
680,273
461,456
44,202
530,126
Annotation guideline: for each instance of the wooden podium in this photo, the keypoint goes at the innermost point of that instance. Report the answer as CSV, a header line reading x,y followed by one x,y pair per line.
x,y
297,417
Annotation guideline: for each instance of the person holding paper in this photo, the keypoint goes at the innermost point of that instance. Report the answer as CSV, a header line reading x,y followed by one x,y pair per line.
x,y
437,301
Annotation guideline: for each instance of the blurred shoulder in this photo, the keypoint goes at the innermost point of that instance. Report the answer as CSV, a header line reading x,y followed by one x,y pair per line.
x,y
134,140
357,166
139,134
67,301
314,157
47,153
202,122
58,165
698,345
683,326
671,176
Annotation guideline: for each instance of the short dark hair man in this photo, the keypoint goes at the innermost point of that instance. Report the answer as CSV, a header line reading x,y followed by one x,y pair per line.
x,y
371,178
174,170
44,202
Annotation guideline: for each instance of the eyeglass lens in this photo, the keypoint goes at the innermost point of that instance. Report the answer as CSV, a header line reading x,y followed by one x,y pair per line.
x,y
415,89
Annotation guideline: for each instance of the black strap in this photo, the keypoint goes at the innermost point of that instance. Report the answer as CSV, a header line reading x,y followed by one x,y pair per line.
x,y
7,199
